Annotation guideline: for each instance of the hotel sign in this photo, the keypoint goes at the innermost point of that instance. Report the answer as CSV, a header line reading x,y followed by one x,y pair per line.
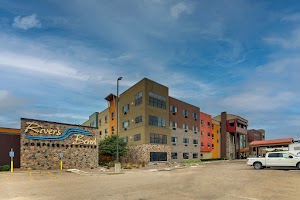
x,y
42,133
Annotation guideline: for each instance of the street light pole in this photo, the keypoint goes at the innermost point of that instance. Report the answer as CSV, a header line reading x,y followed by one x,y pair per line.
x,y
117,169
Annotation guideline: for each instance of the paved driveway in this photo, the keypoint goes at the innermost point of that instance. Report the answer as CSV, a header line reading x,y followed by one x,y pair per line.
x,y
220,180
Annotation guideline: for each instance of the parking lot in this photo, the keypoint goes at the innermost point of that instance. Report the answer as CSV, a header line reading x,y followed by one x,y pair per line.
x,y
217,180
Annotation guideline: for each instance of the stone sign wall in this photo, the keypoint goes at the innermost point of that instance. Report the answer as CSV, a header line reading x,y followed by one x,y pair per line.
x,y
42,143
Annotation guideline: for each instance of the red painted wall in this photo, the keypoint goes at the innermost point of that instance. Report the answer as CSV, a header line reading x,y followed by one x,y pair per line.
x,y
205,129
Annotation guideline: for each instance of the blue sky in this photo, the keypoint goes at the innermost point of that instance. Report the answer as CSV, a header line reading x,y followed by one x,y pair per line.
x,y
59,59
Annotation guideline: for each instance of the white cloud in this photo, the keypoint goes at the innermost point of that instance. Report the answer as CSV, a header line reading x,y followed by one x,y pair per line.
x,y
290,42
26,22
179,9
258,102
38,65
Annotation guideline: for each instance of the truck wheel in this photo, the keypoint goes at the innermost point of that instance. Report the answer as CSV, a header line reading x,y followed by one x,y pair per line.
x,y
257,165
298,166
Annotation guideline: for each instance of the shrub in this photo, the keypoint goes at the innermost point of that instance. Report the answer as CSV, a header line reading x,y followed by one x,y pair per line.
x,y
5,168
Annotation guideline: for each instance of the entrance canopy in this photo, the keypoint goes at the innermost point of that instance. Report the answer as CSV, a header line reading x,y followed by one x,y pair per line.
x,y
270,143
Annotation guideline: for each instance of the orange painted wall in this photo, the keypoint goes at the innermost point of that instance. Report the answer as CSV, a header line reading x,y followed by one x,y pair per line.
x,y
205,128
216,140
112,120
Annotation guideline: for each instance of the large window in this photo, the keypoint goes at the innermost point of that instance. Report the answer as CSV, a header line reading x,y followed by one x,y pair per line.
x,y
158,156
174,139
185,140
137,137
173,109
125,124
173,124
195,128
138,119
157,121
195,141
125,108
157,100
185,113
195,155
195,115
158,138
185,126
138,98
185,155
174,155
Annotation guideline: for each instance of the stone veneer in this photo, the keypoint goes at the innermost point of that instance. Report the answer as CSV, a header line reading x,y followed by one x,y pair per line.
x,y
141,153
44,154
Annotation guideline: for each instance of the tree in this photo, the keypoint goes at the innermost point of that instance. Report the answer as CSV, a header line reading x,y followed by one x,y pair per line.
x,y
108,147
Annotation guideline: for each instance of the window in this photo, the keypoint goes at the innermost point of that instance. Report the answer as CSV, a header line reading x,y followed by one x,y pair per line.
x,y
173,109
195,115
185,140
125,108
158,138
195,128
138,119
137,137
112,115
174,139
106,131
174,155
158,156
212,146
106,118
100,122
202,122
208,145
217,141
202,144
185,155
202,133
195,155
138,98
208,134
208,124
125,124
100,133
212,126
157,121
185,113
274,155
195,141
126,139
173,124
112,128
231,124
157,100
212,136
185,126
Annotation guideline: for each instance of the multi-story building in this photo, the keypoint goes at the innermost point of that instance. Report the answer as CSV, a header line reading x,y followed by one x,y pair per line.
x,y
185,135
233,131
205,135
143,121
255,135
215,136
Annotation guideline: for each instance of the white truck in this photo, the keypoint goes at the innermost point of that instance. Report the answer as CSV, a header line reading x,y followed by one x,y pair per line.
x,y
275,159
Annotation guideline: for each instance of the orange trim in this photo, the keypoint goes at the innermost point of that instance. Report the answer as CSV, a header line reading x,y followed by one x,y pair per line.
x,y
10,130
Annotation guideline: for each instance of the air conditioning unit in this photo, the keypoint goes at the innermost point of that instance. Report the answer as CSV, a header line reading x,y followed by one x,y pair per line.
x,y
185,116
196,132
174,113
186,145
125,129
195,119
186,130
125,113
195,145
174,128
